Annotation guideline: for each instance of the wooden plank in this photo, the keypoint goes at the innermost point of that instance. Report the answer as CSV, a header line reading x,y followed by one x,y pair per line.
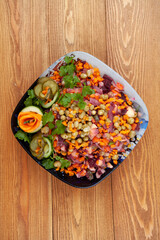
x,y
83,213
125,35
133,51
26,199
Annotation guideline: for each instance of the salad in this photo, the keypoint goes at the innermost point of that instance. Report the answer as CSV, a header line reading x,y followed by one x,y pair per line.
x,y
77,121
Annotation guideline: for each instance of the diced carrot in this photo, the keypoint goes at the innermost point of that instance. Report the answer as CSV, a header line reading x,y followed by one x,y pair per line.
x,y
134,125
119,86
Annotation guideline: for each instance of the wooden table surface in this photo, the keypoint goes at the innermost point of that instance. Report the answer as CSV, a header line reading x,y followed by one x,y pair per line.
x,y
125,34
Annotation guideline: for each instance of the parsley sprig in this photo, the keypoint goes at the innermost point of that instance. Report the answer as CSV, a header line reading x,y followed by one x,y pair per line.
x,y
60,128
23,136
67,71
49,162
65,99
48,117
32,99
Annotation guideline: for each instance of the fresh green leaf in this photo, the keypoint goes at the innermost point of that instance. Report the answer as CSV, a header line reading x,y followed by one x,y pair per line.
x,y
28,102
47,163
62,71
81,104
36,101
60,128
70,68
31,100
67,69
77,96
50,125
70,81
47,117
87,91
31,93
76,79
68,59
64,162
50,137
22,136
65,99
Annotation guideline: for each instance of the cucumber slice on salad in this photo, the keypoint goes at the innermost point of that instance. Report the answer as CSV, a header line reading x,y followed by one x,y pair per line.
x,y
56,96
43,79
47,148
36,110
32,109
42,144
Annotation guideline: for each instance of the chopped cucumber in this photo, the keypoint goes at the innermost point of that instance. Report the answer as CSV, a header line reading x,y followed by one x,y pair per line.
x,y
47,148
40,155
51,84
36,142
43,79
32,109
38,89
51,102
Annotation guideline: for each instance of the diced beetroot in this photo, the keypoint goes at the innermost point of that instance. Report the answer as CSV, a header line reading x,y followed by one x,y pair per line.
x,y
123,111
107,83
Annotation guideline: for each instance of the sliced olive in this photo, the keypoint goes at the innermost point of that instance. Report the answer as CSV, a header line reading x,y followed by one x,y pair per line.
x,y
43,79
38,89
51,84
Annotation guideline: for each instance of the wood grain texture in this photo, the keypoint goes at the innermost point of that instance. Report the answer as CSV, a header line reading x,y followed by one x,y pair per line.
x,y
125,35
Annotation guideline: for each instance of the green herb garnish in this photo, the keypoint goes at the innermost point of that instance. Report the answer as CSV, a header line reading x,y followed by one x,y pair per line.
x,y
64,162
51,125
60,128
65,99
81,104
47,117
70,81
68,59
47,163
22,136
31,100
87,91
67,69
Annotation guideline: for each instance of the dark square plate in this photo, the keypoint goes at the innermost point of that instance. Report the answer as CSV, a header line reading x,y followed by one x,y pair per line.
x,y
104,69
